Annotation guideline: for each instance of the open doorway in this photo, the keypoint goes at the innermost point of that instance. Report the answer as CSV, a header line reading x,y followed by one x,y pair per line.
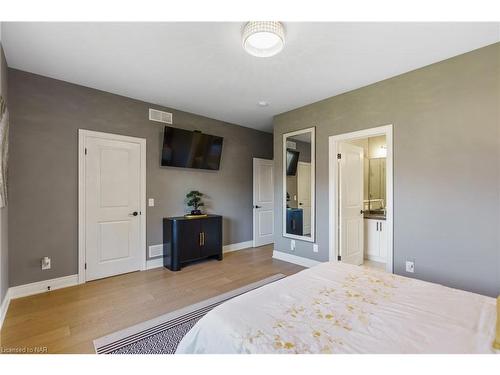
x,y
360,188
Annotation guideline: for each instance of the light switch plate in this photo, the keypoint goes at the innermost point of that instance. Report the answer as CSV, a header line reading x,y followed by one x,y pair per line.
x,y
46,263
151,202
410,266
315,247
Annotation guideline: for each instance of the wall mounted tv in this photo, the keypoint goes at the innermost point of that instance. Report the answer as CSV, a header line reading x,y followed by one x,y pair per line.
x,y
292,159
190,149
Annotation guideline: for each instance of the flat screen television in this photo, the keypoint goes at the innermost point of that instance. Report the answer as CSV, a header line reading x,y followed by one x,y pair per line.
x,y
190,149
292,159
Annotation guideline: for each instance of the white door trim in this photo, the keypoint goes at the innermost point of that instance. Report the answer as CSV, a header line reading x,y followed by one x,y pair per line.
x,y
333,191
82,134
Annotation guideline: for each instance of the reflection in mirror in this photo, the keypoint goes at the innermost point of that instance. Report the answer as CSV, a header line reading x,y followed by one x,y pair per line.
x,y
374,175
376,184
298,172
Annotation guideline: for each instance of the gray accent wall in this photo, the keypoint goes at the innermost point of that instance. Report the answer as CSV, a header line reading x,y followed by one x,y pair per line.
x,y
45,117
4,269
446,130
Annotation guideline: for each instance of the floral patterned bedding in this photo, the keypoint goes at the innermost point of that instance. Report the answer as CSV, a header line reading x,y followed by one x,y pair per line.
x,y
340,308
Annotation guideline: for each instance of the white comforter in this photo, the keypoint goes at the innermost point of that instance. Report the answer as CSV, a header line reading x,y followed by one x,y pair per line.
x,y
339,308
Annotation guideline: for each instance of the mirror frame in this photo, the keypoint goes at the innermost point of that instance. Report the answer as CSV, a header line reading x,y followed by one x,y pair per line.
x,y
311,130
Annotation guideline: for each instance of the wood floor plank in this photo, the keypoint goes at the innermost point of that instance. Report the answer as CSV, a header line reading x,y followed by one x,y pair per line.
x,y
68,320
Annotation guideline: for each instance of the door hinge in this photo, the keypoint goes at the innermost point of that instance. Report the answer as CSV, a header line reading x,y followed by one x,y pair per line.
x,y
339,156
85,265
339,258
85,150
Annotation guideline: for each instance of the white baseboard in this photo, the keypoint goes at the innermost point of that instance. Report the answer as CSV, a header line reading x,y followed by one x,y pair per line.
x,y
42,286
66,281
375,259
154,263
34,288
4,307
290,258
158,262
237,246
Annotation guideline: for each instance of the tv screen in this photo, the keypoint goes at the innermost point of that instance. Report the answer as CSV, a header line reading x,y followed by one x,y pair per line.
x,y
188,149
292,159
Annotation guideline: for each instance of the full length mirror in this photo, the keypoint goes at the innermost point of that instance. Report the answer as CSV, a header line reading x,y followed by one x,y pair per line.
x,y
298,182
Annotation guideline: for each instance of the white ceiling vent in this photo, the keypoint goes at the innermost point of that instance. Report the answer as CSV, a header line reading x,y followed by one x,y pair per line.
x,y
160,116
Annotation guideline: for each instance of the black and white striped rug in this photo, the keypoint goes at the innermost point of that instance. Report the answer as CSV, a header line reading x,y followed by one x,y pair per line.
x,y
163,334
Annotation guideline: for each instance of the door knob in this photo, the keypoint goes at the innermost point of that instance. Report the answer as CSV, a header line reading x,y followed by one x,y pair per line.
x,y
135,213
257,206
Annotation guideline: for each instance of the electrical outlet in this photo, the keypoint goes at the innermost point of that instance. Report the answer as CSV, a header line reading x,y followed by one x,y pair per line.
x,y
46,263
410,266
315,247
151,202
292,245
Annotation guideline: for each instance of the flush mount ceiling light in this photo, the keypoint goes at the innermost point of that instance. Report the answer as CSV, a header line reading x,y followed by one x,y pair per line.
x,y
263,38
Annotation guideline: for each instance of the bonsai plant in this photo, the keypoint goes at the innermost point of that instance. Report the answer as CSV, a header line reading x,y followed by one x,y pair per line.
x,y
193,199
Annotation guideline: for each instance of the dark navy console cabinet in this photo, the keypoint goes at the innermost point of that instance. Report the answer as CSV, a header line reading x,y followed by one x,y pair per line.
x,y
294,221
188,239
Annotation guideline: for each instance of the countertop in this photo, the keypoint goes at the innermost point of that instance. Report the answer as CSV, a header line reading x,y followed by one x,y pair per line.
x,y
374,216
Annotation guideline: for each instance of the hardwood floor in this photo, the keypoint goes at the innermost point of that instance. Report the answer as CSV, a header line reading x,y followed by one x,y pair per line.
x,y
68,320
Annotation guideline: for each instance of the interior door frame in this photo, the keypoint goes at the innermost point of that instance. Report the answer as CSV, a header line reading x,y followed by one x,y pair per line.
x,y
254,161
82,135
333,191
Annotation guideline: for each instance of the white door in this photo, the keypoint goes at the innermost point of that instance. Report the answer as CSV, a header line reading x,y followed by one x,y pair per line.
x,y
114,181
263,202
351,203
304,195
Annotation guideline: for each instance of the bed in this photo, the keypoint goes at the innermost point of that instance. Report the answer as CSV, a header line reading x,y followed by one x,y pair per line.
x,y
340,308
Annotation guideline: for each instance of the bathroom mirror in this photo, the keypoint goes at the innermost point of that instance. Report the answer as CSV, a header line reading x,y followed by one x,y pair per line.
x,y
298,184
376,183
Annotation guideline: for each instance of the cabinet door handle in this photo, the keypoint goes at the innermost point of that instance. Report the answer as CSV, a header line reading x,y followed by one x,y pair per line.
x,y
200,241
381,226
377,226
203,238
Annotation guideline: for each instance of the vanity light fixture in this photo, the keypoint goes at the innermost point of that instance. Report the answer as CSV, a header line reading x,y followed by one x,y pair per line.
x,y
263,38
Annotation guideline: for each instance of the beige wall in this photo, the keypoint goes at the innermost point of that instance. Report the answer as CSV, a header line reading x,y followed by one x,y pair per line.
x,y
446,138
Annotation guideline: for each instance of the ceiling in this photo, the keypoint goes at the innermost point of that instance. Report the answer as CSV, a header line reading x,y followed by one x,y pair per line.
x,y
202,68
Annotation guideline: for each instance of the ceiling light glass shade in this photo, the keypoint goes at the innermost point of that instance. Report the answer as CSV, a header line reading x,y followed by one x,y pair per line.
x,y
263,38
